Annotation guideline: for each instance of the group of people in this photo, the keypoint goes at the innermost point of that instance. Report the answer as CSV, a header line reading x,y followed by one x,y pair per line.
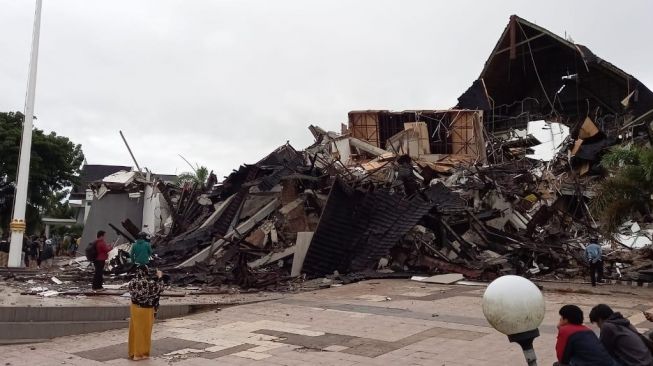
x,y
140,254
619,343
39,251
145,290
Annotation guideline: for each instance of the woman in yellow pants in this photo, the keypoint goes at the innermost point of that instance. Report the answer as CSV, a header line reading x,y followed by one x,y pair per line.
x,y
145,293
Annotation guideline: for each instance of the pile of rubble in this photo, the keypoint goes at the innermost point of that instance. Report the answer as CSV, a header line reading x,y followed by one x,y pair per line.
x,y
499,184
345,206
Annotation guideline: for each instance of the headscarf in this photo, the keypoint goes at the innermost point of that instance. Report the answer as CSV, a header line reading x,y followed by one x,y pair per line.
x,y
144,290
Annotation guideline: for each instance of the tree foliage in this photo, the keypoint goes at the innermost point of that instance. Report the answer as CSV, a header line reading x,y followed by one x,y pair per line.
x,y
55,164
199,176
628,189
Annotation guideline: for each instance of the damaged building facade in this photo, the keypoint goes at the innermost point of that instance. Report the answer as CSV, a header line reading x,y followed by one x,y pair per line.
x,y
498,184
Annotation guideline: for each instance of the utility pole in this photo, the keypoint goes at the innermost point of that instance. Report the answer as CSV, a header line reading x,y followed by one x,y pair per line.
x,y
18,225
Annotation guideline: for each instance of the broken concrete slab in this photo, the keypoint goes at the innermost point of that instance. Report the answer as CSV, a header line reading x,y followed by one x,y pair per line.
x,y
272,257
301,248
444,279
242,228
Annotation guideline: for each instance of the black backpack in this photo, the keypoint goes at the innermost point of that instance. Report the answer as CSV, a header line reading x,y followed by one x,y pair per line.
x,y
91,251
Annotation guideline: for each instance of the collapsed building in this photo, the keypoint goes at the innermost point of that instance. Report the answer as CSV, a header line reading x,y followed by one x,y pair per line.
x,y
122,197
498,184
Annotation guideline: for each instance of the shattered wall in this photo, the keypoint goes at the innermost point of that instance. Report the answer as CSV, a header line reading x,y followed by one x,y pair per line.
x,y
458,132
112,208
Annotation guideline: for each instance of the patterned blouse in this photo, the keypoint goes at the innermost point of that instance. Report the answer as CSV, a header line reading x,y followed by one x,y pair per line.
x,y
145,292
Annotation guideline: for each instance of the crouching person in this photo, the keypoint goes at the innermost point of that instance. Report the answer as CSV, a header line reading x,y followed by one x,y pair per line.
x,y
145,293
620,338
577,344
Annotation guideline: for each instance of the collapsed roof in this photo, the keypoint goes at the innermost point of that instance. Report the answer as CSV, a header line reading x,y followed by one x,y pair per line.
x,y
534,74
92,173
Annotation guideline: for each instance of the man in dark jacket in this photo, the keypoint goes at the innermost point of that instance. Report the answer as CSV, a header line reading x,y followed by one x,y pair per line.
x,y
102,250
577,345
620,338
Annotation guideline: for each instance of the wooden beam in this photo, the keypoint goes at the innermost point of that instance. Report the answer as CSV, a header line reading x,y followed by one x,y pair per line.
x,y
513,37
518,44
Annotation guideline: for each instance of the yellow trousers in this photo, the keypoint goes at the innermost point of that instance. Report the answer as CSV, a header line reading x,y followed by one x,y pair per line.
x,y
140,331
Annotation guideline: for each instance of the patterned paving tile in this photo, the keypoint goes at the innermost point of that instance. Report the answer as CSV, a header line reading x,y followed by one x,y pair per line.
x,y
159,347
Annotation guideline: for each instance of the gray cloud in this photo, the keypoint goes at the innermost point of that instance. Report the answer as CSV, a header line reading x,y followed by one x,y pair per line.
x,y
224,82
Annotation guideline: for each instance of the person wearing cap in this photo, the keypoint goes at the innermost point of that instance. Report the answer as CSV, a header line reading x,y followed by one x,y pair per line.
x,y
144,291
141,250
593,255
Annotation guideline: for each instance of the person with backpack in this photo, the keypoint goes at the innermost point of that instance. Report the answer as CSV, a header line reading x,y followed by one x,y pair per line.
x,y
98,253
620,338
141,250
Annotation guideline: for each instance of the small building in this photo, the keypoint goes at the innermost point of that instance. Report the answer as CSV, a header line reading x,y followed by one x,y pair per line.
x,y
81,196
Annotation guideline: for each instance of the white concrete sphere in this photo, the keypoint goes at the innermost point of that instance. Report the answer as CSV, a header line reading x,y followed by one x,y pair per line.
x,y
513,304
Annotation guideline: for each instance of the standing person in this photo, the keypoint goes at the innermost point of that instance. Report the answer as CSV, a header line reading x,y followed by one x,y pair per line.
x,y
4,251
141,250
65,244
47,254
593,255
34,260
145,293
620,338
577,344
26,250
56,244
41,243
75,245
102,254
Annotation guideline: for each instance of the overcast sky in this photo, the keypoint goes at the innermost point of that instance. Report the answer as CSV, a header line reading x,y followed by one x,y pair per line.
x,y
225,82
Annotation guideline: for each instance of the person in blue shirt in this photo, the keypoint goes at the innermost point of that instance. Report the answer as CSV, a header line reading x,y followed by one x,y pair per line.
x,y
593,255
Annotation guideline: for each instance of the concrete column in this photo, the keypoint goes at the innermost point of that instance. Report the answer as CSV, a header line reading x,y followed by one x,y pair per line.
x,y
87,203
150,201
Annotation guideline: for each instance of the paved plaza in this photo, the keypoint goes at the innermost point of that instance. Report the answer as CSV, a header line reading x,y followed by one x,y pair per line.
x,y
381,322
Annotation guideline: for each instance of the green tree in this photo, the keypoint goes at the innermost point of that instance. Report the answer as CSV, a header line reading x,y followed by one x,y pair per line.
x,y
628,188
57,206
197,176
55,164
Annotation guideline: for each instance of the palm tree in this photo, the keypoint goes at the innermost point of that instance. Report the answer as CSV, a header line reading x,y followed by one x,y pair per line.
x,y
629,187
199,175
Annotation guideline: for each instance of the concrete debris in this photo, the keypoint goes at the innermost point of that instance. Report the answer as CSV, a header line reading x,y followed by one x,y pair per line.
x,y
444,279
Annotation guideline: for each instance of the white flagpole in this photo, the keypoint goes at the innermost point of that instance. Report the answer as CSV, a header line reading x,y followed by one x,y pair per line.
x,y
20,201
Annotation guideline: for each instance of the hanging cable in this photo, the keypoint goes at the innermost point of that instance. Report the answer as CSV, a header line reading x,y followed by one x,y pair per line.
x,y
530,51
